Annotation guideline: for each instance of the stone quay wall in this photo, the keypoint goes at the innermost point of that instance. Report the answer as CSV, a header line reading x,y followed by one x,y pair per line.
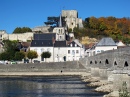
x,y
44,67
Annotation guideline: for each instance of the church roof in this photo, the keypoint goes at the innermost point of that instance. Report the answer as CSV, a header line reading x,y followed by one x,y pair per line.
x,y
106,42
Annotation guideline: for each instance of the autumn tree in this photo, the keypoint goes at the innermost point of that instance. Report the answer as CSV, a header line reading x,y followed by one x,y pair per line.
x,y
32,54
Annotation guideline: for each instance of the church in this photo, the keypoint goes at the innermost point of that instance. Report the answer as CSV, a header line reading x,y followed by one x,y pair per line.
x,y
61,45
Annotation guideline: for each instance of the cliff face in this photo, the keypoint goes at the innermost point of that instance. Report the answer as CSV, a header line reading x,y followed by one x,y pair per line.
x,y
87,40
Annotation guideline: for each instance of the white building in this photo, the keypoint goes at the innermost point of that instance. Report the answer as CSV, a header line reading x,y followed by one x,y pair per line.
x,y
59,44
103,45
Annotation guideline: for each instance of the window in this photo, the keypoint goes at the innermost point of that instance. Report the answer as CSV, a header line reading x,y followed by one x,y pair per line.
x,y
35,50
42,50
73,52
48,49
71,45
59,31
68,51
77,51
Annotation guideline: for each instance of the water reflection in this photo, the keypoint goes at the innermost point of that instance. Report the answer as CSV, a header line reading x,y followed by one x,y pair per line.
x,y
47,86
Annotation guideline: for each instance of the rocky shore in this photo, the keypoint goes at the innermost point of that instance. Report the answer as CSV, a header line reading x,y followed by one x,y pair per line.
x,y
101,85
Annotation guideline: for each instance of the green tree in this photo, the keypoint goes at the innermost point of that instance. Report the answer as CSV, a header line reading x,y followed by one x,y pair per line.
x,y
4,56
10,48
54,21
123,92
19,55
22,30
46,55
32,54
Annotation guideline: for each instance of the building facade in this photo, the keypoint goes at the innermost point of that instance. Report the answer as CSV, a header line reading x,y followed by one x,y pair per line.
x,y
71,18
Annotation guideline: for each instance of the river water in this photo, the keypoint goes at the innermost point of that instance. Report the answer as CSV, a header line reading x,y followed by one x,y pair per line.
x,y
45,86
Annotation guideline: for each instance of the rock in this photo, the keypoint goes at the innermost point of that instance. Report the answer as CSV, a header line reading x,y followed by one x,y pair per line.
x,y
100,83
105,88
112,94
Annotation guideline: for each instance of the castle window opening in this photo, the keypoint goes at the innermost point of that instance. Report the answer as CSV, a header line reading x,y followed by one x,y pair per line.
x,y
106,62
126,64
115,63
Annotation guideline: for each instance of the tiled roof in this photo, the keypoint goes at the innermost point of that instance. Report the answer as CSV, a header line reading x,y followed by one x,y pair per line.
x,y
44,36
41,43
106,42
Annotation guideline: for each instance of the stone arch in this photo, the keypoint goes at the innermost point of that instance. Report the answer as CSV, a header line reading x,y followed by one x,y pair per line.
x,y
91,62
115,63
95,62
106,62
126,64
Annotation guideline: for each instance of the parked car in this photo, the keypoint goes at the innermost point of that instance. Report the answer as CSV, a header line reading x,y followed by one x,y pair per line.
x,y
2,62
36,61
13,62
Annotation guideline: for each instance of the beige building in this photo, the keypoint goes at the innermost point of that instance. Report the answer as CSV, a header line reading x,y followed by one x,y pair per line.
x,y
21,37
71,18
2,32
43,29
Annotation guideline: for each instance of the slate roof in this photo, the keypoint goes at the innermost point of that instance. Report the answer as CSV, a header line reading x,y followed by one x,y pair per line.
x,y
60,44
44,36
73,44
41,43
106,42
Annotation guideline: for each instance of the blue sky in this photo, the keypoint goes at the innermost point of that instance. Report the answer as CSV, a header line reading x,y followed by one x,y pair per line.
x,y
32,13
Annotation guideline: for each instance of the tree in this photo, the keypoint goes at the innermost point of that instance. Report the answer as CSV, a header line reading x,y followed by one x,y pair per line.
x,y
4,56
22,30
10,48
54,21
123,92
19,55
32,54
46,55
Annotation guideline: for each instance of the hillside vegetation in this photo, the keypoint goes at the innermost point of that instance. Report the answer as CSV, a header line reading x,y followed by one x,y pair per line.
x,y
117,28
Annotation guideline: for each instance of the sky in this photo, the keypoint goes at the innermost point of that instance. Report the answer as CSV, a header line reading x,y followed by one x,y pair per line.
x,y
33,13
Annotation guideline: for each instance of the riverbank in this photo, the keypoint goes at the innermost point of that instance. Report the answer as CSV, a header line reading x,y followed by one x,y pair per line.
x,y
101,85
